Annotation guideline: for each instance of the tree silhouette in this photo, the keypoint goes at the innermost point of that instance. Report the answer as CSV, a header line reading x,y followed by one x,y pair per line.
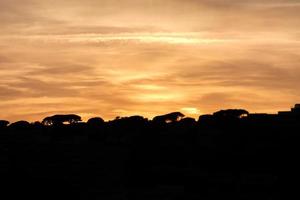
x,y
3,123
205,118
132,121
61,119
188,121
96,121
20,124
231,113
169,118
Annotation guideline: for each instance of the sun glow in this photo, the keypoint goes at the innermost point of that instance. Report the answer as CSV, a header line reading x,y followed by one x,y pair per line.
x,y
158,97
191,111
111,58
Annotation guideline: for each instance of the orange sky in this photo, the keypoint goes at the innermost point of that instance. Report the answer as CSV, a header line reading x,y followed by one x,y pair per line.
x,y
113,58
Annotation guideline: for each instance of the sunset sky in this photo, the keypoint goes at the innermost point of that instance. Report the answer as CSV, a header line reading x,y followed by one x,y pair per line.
x,y
113,58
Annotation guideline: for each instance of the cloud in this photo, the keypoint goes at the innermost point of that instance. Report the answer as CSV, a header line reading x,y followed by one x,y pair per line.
x,y
149,57
93,16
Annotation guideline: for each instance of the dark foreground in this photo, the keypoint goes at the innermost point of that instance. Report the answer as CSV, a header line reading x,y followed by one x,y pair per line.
x,y
140,159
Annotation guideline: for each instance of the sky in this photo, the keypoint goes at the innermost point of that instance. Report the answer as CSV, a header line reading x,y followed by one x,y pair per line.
x,y
113,58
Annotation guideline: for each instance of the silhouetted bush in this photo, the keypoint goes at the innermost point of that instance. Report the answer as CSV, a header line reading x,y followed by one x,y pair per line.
x,y
20,125
61,119
188,121
205,119
3,123
96,121
231,113
168,118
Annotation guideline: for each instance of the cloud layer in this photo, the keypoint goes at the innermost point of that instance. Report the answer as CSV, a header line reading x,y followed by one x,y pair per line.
x,y
110,58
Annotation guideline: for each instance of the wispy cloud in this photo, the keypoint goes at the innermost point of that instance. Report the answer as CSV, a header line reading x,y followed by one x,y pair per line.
x,y
149,57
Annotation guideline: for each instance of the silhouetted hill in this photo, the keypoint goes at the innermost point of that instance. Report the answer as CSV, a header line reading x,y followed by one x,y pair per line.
x,y
230,154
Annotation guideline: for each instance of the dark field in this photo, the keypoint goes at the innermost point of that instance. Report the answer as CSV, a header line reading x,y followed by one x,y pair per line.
x,y
133,158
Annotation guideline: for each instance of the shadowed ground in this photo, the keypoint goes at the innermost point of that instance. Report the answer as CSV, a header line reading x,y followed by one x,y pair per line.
x,y
224,155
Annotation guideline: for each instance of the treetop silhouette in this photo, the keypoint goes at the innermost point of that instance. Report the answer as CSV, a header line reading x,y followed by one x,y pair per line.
x,y
235,113
95,121
20,124
61,119
3,123
230,114
169,118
